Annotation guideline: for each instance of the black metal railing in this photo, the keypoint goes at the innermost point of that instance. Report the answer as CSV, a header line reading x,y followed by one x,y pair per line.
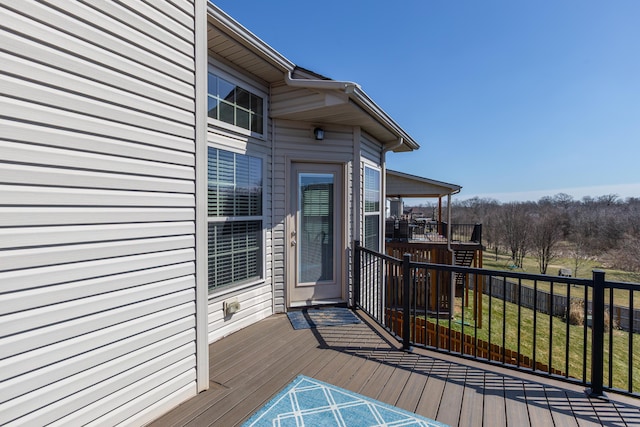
x,y
464,232
581,330
404,230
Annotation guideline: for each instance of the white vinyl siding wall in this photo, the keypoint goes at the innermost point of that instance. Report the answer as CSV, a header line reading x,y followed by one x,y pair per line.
x,y
371,157
294,142
255,298
97,211
371,150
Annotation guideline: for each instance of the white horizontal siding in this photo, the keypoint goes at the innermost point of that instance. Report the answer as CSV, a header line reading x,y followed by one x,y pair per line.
x,y
63,29
370,149
33,215
62,292
294,142
170,335
85,87
84,145
64,158
16,195
97,211
16,259
79,102
45,115
13,280
19,44
36,236
108,395
255,304
40,176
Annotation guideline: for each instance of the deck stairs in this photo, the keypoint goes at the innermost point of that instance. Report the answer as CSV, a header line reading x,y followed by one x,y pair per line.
x,y
464,258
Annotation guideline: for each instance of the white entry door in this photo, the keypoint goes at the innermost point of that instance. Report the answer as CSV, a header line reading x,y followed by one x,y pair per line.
x,y
316,234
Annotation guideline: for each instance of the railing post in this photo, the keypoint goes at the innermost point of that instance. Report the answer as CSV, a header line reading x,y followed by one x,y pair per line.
x,y
406,302
597,335
357,271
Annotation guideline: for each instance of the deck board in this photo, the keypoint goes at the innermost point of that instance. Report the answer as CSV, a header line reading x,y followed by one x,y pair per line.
x,y
249,367
537,405
516,410
472,399
412,392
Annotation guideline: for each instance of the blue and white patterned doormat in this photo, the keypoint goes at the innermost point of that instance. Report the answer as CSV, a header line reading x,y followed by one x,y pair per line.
x,y
320,317
311,403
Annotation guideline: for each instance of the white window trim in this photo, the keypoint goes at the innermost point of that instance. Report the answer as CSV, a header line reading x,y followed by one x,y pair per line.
x,y
380,203
219,70
217,293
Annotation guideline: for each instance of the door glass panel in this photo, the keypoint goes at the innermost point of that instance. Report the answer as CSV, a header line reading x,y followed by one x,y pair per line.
x,y
315,227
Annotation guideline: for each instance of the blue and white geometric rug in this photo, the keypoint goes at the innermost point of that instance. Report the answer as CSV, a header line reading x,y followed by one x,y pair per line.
x,y
320,317
311,403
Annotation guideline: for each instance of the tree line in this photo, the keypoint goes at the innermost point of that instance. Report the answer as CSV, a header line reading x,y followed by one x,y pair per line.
x,y
604,228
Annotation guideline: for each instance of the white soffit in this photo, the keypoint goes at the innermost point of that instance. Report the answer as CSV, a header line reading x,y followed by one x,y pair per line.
x,y
400,184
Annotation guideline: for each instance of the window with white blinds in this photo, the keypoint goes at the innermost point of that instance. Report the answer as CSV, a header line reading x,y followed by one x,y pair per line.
x,y
371,208
235,218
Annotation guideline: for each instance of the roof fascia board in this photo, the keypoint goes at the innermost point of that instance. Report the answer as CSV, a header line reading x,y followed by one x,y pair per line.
x,y
453,188
246,37
378,113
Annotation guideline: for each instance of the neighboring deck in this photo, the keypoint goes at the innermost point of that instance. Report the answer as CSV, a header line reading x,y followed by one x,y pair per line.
x,y
249,367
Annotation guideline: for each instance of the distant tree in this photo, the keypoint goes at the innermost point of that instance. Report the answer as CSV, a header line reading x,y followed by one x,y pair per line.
x,y
627,255
514,228
608,199
562,200
578,251
545,236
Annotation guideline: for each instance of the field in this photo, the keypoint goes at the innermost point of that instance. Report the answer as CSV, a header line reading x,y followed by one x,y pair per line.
x,y
530,266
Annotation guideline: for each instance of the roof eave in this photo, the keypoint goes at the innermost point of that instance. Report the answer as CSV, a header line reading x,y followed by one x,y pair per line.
x,y
246,37
261,48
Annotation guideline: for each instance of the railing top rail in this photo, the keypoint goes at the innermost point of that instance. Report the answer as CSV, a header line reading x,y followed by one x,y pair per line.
x,y
502,273
380,255
623,285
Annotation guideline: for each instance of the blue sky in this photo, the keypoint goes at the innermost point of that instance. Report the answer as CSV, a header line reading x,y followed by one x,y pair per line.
x,y
509,99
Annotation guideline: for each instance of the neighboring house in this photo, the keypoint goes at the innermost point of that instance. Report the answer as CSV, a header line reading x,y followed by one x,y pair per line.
x,y
142,218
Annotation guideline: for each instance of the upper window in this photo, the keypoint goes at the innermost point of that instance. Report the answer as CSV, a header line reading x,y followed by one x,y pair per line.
x,y
235,105
235,248
371,208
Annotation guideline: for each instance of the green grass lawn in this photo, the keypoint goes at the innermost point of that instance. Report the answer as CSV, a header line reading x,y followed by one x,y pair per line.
x,y
529,265
551,336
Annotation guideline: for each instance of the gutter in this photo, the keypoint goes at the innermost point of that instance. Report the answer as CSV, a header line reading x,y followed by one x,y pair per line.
x,y
346,87
361,98
386,149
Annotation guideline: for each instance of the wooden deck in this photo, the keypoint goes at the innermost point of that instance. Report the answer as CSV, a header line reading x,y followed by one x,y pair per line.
x,y
249,367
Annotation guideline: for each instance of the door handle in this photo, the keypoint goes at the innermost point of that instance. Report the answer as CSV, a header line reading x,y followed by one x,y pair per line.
x,y
293,242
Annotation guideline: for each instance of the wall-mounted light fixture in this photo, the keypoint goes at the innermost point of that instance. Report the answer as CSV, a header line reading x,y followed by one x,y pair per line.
x,y
318,133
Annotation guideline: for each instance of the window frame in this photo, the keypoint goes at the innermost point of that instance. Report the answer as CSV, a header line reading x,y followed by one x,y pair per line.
x,y
377,212
245,85
234,287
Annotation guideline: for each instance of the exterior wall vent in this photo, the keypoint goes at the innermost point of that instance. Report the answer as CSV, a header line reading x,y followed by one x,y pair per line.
x,y
231,307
